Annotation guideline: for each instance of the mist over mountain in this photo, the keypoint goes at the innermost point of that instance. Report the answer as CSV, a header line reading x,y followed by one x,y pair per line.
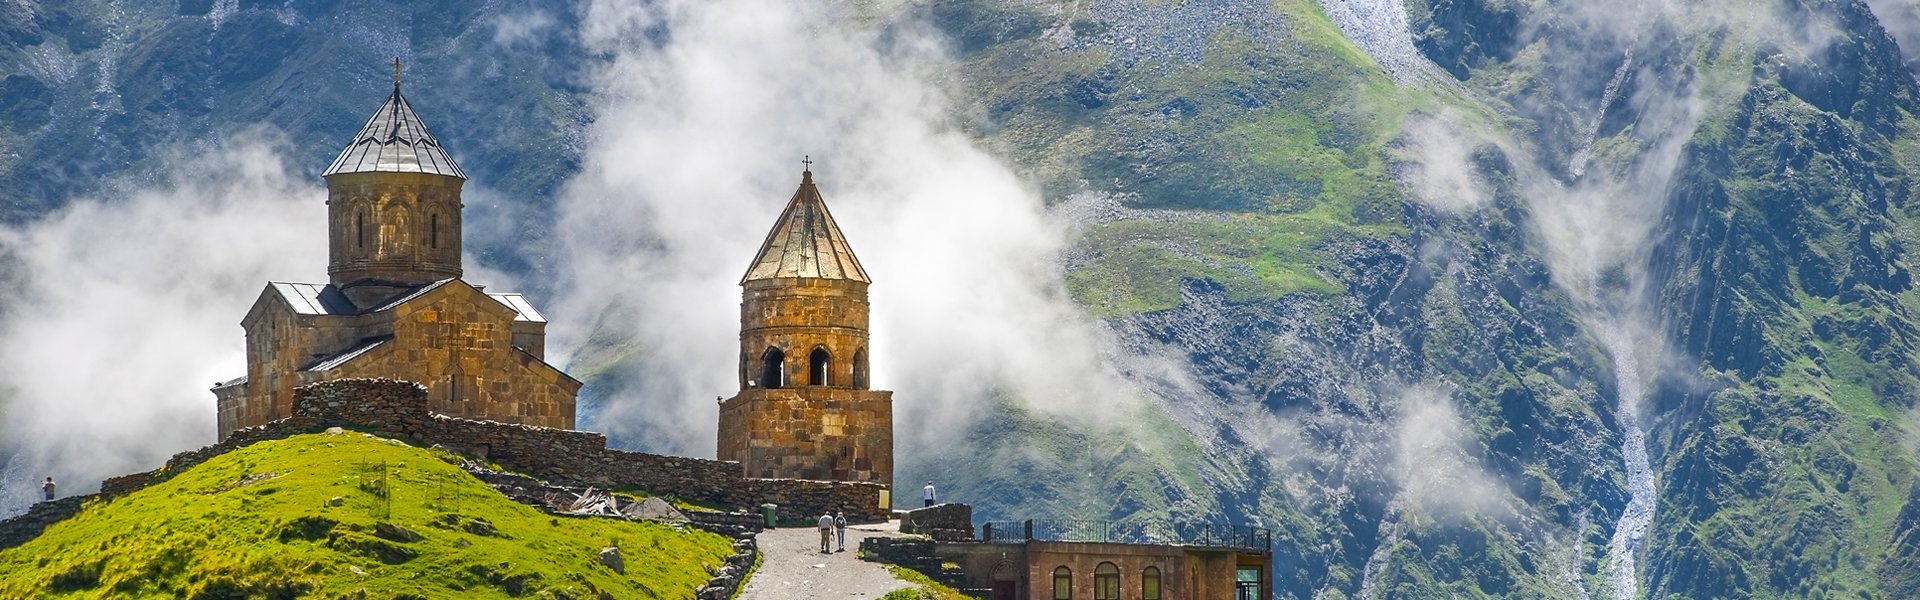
x,y
1462,298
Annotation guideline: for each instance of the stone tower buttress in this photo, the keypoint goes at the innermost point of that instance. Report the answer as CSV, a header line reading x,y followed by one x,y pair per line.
x,y
805,408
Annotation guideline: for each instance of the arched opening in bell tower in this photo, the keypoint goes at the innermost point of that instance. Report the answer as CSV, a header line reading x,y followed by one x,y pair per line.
x,y
817,366
773,368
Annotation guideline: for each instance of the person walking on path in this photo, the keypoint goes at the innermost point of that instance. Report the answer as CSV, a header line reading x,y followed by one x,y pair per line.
x,y
826,533
928,494
840,526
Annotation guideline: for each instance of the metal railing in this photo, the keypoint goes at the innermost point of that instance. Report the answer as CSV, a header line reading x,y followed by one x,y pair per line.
x,y
1243,537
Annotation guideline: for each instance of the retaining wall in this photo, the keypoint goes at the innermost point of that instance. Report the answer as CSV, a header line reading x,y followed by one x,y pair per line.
x,y
398,409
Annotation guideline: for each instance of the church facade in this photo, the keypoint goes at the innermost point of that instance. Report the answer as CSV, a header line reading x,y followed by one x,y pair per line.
x,y
395,305
806,408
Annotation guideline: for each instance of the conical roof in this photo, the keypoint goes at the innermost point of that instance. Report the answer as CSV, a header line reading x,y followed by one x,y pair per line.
x,y
805,242
395,140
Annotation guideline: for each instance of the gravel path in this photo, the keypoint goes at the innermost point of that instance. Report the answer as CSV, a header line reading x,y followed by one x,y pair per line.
x,y
792,567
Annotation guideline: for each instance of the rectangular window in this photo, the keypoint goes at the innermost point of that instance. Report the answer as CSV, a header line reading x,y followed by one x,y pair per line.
x,y
1247,583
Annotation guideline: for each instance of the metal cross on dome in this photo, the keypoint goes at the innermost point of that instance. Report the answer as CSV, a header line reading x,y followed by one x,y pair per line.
x,y
396,72
806,161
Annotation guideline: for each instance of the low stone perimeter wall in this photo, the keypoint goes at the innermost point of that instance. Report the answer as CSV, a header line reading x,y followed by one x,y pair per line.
x,y
949,522
394,408
20,529
399,409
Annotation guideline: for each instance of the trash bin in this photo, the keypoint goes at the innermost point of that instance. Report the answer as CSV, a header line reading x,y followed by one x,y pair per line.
x,y
771,512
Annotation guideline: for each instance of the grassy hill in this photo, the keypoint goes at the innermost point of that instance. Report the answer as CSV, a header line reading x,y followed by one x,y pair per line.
x,y
262,522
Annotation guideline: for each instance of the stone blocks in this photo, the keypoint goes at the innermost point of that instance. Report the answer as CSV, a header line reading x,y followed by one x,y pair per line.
x,y
810,433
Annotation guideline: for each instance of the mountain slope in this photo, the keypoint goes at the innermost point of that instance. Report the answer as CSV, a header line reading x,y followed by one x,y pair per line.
x,y
1640,221
259,522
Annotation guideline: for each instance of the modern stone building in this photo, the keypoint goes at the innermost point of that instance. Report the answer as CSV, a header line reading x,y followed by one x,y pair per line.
x,y
395,305
1071,570
1073,559
805,408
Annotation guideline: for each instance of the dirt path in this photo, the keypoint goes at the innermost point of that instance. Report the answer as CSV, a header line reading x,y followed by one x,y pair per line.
x,y
792,567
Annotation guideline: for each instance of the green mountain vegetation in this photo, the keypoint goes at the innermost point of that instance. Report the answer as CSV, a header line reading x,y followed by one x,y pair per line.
x,y
263,522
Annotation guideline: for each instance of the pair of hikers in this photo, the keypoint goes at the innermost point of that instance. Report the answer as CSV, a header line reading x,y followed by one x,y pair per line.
x,y
830,523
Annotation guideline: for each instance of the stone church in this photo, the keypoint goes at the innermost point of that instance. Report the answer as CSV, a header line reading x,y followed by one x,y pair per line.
x,y
806,409
395,305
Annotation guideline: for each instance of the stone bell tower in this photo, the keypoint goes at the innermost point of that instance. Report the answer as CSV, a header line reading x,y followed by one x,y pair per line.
x,y
805,408
393,207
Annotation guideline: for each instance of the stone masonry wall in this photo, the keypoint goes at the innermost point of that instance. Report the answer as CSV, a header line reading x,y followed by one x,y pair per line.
x,y
399,409
454,338
947,522
20,529
810,433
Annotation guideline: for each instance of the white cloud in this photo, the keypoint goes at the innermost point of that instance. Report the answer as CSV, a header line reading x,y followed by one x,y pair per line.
x,y
121,312
697,146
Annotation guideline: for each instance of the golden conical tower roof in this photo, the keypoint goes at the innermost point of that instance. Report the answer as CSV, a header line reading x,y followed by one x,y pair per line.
x,y
395,140
806,243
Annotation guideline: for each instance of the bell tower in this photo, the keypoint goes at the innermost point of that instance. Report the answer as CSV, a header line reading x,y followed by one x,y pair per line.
x,y
393,206
806,409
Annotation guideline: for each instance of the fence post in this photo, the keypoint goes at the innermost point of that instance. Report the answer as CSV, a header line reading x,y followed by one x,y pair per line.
x,y
986,532
1029,529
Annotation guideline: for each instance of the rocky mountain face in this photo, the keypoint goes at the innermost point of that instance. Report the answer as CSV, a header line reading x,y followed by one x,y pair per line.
x,y
1463,298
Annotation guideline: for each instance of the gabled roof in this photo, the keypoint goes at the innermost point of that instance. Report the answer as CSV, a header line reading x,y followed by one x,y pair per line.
x,y
365,346
314,298
523,310
395,140
805,242
410,295
325,299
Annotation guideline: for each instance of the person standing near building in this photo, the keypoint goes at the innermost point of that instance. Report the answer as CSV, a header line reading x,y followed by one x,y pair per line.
x,y
840,527
48,488
826,533
928,494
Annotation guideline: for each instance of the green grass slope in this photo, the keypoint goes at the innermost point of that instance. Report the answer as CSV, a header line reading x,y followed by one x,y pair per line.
x,y
256,522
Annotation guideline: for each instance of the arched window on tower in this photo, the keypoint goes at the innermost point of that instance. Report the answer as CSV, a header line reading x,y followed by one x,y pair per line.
x,y
817,363
433,231
860,369
360,228
773,368
1106,582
